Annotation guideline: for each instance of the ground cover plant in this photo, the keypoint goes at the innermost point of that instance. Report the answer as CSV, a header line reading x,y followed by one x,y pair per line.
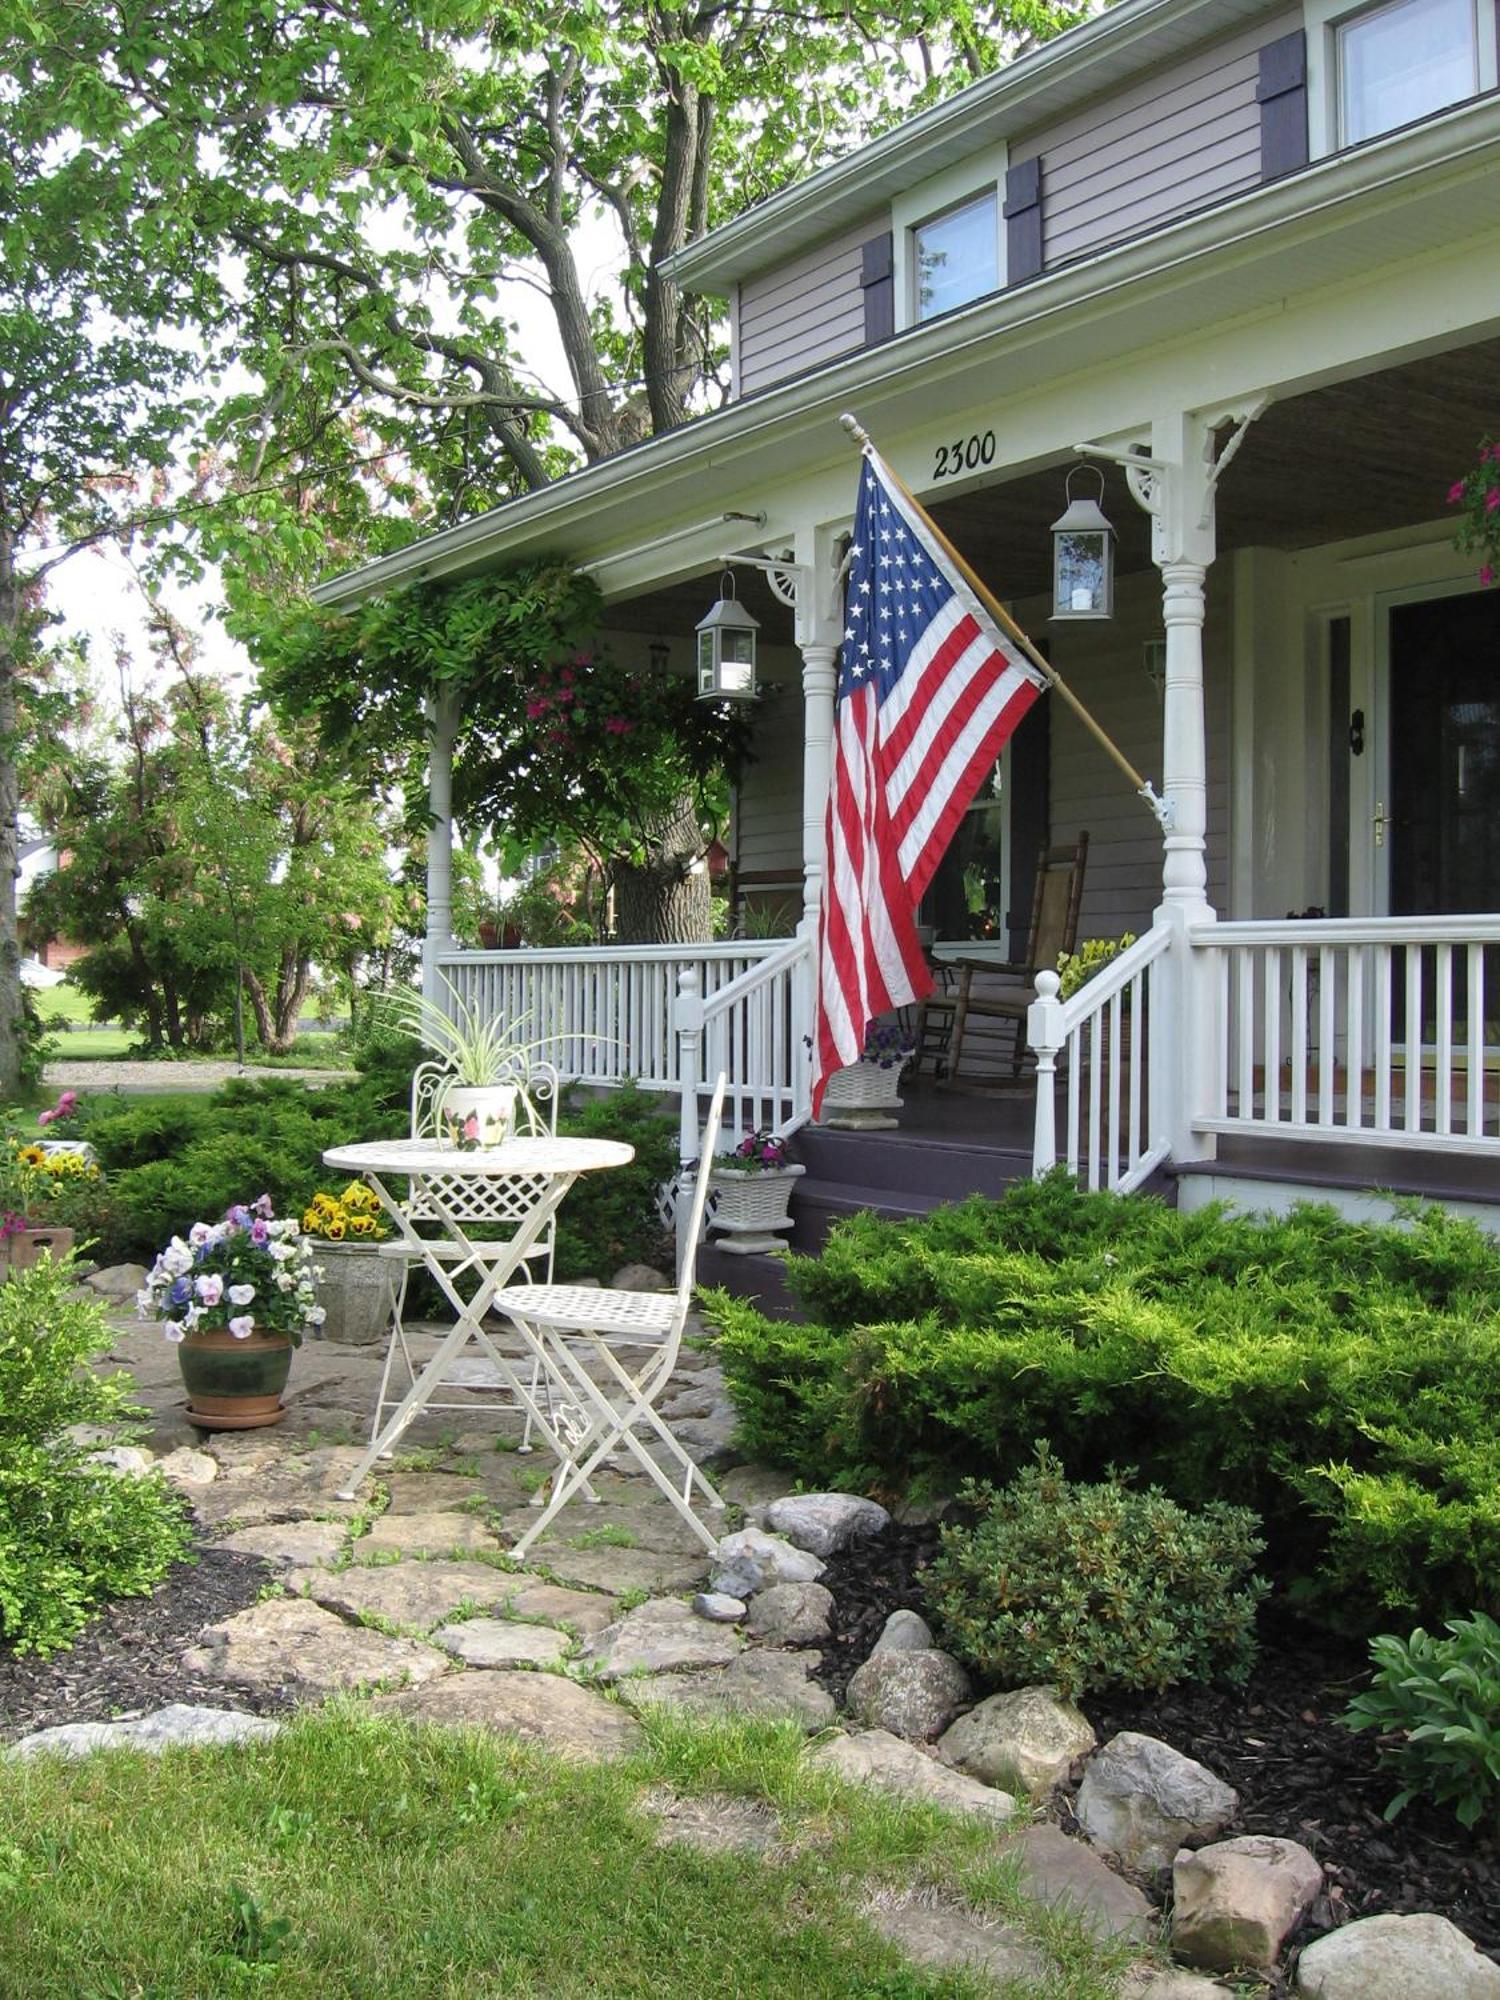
x,y
72,1535
354,1855
1342,1380
1436,1702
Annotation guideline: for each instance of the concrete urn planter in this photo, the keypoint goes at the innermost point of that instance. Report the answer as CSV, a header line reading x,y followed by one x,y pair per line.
x,y
355,1292
864,1097
751,1207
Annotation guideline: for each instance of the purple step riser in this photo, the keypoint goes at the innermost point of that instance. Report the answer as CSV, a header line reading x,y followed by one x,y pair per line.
x,y
926,1166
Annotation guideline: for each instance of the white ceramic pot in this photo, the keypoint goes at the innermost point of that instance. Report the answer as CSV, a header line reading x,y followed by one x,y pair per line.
x,y
750,1207
863,1097
493,1105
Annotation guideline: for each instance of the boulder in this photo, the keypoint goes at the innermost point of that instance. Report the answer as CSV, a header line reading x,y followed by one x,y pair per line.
x,y
659,1636
118,1281
823,1523
544,1709
1067,1874
640,1278
905,1632
1026,1740
187,1467
792,1614
1141,1800
884,1762
1396,1958
182,1722
718,1607
1234,1902
753,1560
913,1695
126,1461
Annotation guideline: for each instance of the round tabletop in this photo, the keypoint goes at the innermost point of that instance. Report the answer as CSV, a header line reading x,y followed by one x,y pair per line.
x,y
516,1156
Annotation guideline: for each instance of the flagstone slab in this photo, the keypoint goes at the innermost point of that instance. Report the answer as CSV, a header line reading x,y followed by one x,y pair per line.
x,y
887,1763
289,1646
639,1512
415,1595
290,1544
582,1611
428,1492
950,1940
662,1635
547,1710
761,1686
261,1484
503,1642
442,1534
619,1570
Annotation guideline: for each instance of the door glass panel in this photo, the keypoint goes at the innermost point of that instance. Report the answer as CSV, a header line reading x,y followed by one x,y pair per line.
x,y
967,896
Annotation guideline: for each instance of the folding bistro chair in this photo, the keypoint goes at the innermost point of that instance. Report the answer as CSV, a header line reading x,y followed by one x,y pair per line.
x,y
496,1206
598,1413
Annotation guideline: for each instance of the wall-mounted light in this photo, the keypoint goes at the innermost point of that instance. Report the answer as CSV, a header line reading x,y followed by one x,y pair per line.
x,y
726,648
659,653
1083,555
1154,664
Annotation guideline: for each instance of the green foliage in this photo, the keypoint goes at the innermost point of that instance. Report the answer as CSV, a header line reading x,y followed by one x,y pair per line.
x,y
1342,1380
72,1536
611,1219
1096,1586
1441,1698
1076,968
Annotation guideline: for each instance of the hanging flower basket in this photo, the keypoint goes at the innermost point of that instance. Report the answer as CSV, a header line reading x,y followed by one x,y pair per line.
x,y
751,1205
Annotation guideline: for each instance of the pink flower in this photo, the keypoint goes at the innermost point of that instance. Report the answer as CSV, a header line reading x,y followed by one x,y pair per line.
x,y
210,1288
616,725
45,1117
1487,574
537,708
1455,492
1492,500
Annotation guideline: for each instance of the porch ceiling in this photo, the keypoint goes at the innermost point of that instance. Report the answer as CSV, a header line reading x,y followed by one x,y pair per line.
x,y
1361,457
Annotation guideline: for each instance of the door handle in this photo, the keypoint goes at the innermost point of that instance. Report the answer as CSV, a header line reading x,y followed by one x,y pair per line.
x,y
1380,820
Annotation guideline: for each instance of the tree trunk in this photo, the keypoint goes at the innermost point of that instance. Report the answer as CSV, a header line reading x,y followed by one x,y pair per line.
x,y
666,899
10,831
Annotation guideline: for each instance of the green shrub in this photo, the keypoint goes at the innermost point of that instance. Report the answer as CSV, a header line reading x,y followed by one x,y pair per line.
x,y
1442,1698
1089,1587
1342,1380
611,1219
71,1535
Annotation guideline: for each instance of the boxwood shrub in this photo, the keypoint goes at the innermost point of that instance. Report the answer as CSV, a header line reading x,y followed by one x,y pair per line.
x,y
1342,1380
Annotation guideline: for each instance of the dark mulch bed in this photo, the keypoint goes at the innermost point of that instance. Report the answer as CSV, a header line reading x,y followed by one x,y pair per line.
x,y
1276,1741
129,1660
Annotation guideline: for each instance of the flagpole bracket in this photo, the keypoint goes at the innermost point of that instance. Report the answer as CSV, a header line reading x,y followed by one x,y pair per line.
x,y
1164,811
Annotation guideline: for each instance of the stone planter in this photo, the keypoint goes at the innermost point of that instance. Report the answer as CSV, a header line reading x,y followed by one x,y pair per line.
x,y
25,1246
751,1207
234,1385
356,1292
863,1097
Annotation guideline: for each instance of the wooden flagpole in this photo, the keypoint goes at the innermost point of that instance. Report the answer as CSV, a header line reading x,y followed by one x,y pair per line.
x,y
1003,619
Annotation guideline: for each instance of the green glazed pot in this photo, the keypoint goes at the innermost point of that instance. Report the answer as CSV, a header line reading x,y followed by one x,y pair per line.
x,y
234,1385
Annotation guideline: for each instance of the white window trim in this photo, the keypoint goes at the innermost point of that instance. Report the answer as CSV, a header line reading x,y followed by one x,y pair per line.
x,y
1324,18
966,181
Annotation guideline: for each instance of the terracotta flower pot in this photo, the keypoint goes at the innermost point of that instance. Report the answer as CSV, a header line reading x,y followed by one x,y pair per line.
x,y
234,1385
23,1247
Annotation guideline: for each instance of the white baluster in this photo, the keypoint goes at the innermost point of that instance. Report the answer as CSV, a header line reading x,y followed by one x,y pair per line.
x,y
1044,1034
688,1021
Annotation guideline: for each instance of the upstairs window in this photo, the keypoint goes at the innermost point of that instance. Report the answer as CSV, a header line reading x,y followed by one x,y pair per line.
x,y
1401,62
956,256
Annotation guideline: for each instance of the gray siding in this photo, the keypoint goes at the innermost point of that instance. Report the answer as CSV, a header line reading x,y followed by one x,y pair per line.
x,y
804,312
1177,141
768,808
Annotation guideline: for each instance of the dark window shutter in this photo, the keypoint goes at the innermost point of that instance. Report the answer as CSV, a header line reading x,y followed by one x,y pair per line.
x,y
878,277
1282,95
1023,221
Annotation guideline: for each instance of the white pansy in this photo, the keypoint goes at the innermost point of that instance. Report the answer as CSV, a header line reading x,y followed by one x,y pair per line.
x,y
317,1316
284,1281
172,1330
241,1295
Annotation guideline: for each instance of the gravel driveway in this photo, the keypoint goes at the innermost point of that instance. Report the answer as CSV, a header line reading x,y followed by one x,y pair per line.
x,y
133,1076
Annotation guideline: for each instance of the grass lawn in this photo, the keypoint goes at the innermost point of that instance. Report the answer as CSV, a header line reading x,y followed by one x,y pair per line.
x,y
354,1856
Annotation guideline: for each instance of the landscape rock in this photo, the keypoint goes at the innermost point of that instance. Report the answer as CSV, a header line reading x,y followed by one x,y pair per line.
x,y
425,1535
582,1611
1396,1958
544,1709
905,1632
118,1281
640,1278
661,1635
1149,1982
1141,1800
182,1722
1026,1740
913,1695
824,1523
950,1940
718,1607
417,1595
1064,1873
187,1467
289,1544
791,1614
501,1642
128,1461
753,1560
288,1646
766,1687
876,1758
1234,1902
260,1482
709,1440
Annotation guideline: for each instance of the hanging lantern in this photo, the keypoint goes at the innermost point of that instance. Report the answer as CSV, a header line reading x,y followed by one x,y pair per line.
x,y
1083,556
726,648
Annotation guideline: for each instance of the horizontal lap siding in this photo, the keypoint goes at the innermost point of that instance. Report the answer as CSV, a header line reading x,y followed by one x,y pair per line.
x,y
1180,140
802,312
768,810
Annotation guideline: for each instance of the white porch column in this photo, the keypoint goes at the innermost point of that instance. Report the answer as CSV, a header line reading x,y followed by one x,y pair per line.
x,y
819,632
1185,741
442,725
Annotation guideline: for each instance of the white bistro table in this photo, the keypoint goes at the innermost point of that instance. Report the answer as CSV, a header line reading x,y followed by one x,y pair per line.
x,y
545,1167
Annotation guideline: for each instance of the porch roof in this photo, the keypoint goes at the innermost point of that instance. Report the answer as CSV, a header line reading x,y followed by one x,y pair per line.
x,y
1418,190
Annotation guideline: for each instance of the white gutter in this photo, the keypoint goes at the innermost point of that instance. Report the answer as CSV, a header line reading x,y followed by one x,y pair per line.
x,y
614,486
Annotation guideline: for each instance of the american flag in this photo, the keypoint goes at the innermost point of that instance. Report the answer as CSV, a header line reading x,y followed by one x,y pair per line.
x,y
929,693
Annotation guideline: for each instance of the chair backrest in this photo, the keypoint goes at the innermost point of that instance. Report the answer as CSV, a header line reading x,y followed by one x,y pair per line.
x,y
1056,903
706,1159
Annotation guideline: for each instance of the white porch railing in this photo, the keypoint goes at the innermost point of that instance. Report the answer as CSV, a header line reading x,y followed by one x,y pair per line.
x,y
1102,1038
1358,1030
602,1013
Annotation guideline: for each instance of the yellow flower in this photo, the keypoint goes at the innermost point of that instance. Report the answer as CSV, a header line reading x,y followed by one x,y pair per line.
x,y
31,1156
334,1231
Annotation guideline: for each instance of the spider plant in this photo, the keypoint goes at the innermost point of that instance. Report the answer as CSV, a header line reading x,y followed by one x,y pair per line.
x,y
479,1049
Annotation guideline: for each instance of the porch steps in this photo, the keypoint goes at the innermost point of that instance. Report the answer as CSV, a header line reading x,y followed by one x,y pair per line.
x,y
1254,1173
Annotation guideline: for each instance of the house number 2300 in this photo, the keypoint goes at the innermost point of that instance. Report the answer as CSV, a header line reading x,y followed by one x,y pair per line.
x,y
964,455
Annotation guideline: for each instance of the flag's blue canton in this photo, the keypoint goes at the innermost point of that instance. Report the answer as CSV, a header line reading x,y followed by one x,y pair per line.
x,y
895,591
